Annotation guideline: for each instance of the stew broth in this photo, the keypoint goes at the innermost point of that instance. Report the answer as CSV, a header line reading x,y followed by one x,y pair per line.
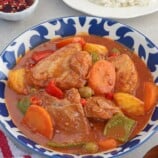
x,y
97,127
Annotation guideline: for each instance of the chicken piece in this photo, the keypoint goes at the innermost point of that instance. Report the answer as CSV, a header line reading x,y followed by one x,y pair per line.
x,y
67,114
68,67
73,96
16,80
76,72
126,74
100,108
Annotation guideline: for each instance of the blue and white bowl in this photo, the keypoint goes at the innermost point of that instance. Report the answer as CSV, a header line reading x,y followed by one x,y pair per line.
x,y
67,26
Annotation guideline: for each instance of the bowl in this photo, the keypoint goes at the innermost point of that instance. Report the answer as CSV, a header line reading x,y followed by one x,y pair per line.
x,y
67,26
21,14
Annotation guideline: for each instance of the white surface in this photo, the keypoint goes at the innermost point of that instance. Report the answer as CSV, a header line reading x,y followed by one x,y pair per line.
x,y
19,15
121,13
48,9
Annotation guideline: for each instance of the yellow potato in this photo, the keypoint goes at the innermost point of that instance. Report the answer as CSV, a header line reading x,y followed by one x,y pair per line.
x,y
16,80
129,103
96,48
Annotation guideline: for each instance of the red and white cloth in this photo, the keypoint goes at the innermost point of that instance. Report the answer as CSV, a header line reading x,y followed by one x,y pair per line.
x,y
9,150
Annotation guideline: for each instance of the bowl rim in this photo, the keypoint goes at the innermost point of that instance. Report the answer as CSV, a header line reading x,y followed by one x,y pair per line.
x,y
34,4
22,144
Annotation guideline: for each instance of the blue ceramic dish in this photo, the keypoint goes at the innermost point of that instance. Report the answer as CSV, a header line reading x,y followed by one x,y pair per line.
x,y
71,26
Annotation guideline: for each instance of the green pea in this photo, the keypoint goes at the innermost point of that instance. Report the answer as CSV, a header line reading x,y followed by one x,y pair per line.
x,y
33,90
86,92
90,147
116,51
95,57
23,104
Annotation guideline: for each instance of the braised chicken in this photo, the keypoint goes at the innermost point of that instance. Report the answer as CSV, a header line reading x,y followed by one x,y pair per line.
x,y
100,108
68,67
80,95
126,74
67,114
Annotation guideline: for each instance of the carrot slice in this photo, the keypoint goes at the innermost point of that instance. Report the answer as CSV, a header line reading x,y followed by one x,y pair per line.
x,y
150,95
69,40
39,120
102,77
107,143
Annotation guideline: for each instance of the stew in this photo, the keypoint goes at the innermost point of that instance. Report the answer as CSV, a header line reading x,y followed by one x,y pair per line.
x,y
81,94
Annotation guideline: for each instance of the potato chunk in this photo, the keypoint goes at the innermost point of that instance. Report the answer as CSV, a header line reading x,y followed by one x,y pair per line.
x,y
129,104
96,48
16,80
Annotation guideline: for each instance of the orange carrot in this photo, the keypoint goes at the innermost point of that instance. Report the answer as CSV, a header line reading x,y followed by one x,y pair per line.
x,y
102,77
69,40
150,95
107,143
39,120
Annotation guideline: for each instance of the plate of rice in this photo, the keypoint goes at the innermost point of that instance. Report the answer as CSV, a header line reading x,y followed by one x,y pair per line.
x,y
116,9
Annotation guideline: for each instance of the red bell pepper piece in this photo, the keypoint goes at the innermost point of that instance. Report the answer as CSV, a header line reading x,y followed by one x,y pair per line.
x,y
53,90
113,55
69,40
37,56
83,101
35,100
109,96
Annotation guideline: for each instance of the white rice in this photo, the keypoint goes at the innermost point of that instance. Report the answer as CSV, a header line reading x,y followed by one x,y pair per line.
x,y
121,3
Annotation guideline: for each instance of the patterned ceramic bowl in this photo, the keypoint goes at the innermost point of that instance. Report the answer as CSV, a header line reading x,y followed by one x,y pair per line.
x,y
71,26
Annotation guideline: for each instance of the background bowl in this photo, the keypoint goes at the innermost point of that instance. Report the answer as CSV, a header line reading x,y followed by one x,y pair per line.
x,y
19,15
67,26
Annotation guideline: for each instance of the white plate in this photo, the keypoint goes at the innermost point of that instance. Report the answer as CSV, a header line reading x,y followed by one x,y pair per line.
x,y
120,13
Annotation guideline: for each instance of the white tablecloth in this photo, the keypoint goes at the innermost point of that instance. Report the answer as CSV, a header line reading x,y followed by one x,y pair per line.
x,y
49,9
